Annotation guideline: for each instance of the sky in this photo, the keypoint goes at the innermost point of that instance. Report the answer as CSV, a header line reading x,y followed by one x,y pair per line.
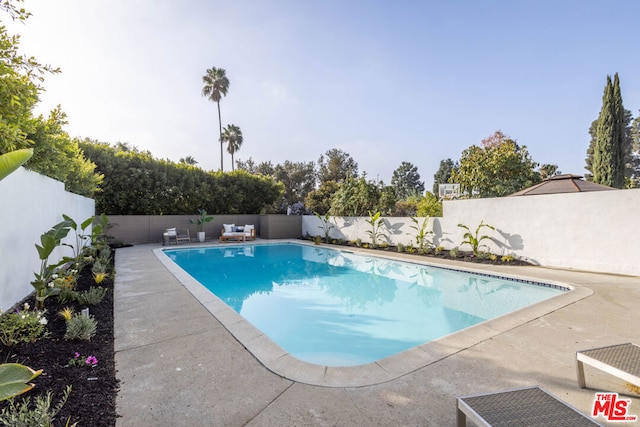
x,y
386,82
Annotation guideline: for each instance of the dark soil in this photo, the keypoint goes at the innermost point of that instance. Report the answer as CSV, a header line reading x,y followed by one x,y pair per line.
x,y
92,401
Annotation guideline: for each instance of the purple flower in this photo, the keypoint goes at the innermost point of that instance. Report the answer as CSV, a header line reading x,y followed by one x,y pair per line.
x,y
91,360
76,354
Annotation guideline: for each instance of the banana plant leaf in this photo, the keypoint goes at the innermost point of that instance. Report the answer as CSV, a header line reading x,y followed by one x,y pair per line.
x,y
12,160
14,379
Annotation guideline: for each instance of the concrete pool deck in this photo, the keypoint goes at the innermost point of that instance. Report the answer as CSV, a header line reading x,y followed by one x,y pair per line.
x,y
179,365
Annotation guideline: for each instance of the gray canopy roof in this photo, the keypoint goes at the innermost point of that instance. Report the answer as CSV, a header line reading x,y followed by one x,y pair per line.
x,y
566,183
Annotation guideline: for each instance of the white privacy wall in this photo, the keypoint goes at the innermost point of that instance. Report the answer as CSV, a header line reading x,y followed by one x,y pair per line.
x,y
30,204
594,231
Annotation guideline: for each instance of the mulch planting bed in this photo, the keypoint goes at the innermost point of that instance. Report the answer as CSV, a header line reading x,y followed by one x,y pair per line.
x,y
92,401
463,256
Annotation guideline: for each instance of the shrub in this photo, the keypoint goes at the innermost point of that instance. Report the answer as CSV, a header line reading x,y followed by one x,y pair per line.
x,y
453,253
317,240
400,247
424,250
22,327
101,265
41,414
66,296
484,255
80,327
92,296
507,258
439,250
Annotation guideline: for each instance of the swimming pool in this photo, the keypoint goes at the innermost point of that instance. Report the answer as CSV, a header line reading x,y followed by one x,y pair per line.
x,y
337,308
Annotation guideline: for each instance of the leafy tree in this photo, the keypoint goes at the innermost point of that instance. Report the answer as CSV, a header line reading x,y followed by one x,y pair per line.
x,y
216,85
336,165
320,200
59,157
19,85
499,168
262,168
298,179
429,205
632,160
387,200
634,133
548,170
358,196
443,174
406,180
232,135
609,148
54,153
408,206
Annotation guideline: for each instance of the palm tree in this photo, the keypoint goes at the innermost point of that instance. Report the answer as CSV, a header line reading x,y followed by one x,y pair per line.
x,y
189,160
215,87
233,136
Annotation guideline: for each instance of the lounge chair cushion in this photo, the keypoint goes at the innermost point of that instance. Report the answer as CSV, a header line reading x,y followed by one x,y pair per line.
x,y
228,228
171,232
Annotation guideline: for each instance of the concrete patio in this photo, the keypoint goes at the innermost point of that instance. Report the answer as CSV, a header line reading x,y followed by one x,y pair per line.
x,y
179,366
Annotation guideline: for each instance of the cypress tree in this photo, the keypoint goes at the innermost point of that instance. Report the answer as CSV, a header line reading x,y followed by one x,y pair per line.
x,y
619,145
608,151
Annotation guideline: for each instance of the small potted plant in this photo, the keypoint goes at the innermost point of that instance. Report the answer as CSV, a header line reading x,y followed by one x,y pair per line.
x,y
200,221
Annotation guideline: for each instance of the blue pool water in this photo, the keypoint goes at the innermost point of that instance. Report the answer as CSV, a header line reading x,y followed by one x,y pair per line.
x,y
337,308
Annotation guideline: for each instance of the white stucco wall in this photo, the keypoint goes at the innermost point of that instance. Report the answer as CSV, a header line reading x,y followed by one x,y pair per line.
x,y
595,231
30,204
396,229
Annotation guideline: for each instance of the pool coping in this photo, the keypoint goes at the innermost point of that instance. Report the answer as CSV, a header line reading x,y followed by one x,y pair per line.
x,y
280,362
